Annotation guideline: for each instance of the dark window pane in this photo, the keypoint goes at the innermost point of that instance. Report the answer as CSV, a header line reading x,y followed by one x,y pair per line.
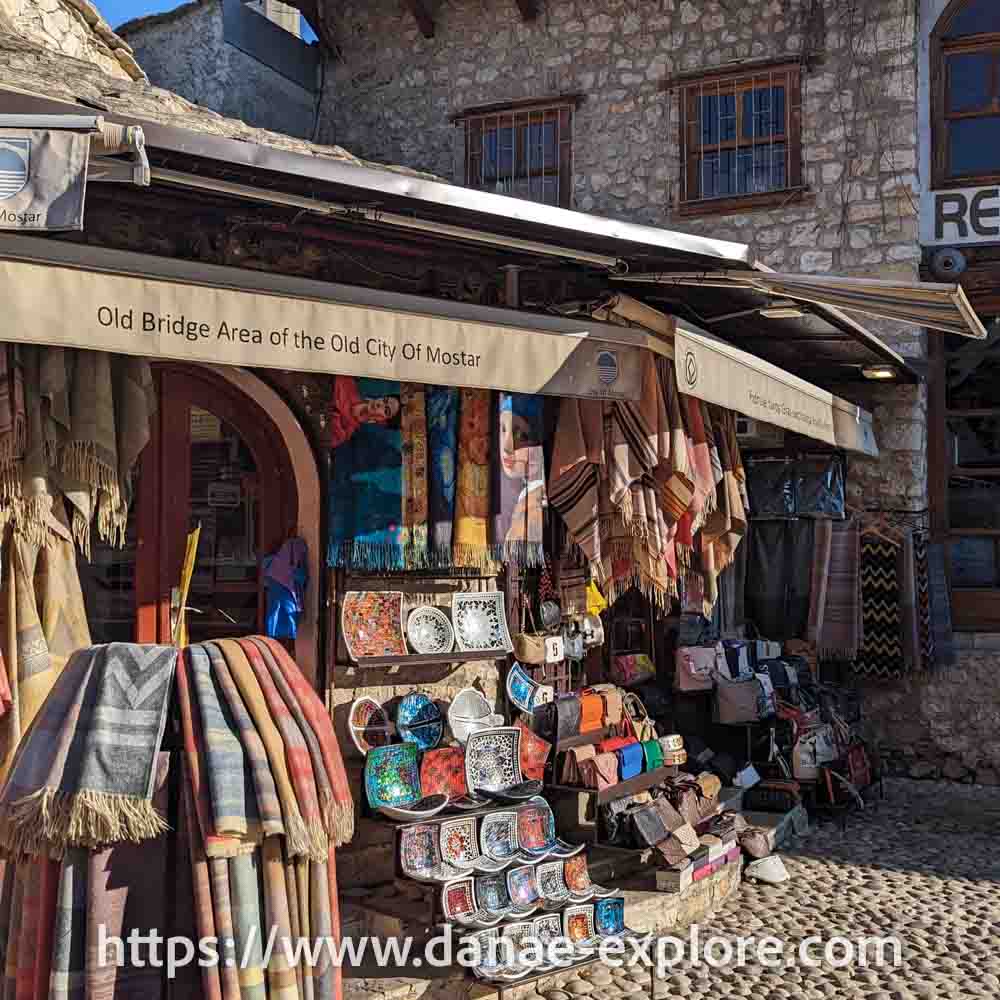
x,y
969,86
979,16
973,562
763,112
746,171
718,118
975,145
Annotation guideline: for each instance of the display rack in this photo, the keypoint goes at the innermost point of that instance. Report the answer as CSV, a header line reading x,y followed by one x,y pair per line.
x,y
430,659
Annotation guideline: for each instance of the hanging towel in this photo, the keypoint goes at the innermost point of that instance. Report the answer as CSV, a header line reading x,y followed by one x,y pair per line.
x,y
442,435
235,818
297,833
265,786
297,756
819,574
248,926
366,479
925,622
43,619
69,933
126,892
840,629
518,494
880,655
470,538
85,773
340,820
577,458
415,503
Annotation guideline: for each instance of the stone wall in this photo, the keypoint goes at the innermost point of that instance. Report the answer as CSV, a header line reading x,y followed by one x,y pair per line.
x,y
185,51
74,28
944,726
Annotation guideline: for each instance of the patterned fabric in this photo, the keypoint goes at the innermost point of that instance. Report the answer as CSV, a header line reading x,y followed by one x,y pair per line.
x,y
265,786
925,628
247,921
415,502
297,756
944,639
442,772
840,629
907,569
366,478
85,774
442,438
819,573
518,490
69,936
881,653
281,980
13,422
470,539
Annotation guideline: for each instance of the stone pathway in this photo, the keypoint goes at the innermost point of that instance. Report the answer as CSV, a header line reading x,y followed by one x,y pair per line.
x,y
924,866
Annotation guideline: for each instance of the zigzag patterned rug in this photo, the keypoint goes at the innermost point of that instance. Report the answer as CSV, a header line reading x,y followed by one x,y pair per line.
x,y
925,628
881,653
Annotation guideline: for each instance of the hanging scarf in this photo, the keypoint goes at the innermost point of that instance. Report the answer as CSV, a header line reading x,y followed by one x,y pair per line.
x,y
442,434
281,979
703,501
366,479
69,933
819,575
677,486
415,510
13,422
880,654
907,569
244,879
470,540
518,490
67,786
839,630
928,655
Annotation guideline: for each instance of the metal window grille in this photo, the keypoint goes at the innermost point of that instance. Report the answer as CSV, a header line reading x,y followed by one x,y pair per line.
x,y
524,152
741,135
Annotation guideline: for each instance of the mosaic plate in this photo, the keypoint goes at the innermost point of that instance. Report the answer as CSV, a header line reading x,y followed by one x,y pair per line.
x,y
459,905
392,777
369,725
372,623
517,793
498,836
425,808
492,895
514,944
548,927
480,621
521,689
430,631
469,712
578,924
481,949
534,752
551,882
442,772
576,874
492,759
460,842
419,721
609,916
522,886
420,855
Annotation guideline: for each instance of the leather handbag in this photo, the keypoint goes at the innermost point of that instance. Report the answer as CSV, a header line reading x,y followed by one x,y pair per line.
x,y
710,788
737,701
628,669
600,772
672,819
649,826
612,708
815,747
680,845
637,719
529,647
694,668
630,760
653,753
772,796
572,764
755,842
613,743
573,642
591,713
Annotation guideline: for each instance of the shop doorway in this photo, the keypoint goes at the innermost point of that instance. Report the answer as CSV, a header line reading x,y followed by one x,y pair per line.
x,y
217,457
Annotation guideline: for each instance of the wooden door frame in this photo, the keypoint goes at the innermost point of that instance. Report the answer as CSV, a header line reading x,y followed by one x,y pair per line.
x,y
304,519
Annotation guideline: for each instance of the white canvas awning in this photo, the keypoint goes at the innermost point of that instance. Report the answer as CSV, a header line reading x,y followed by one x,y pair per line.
x,y
719,373
935,306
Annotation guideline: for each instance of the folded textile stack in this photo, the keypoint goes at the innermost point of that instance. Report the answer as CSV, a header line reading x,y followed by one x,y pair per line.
x,y
259,797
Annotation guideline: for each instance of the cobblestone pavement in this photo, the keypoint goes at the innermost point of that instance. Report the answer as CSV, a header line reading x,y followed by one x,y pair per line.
x,y
922,866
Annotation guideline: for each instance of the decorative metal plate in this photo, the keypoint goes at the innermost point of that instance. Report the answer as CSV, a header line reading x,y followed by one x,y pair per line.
x,y
521,689
481,948
551,882
498,836
517,793
547,927
430,631
369,725
460,842
578,923
419,721
372,623
492,759
392,777
480,621
420,855
469,713
459,904
442,772
609,916
522,886
536,828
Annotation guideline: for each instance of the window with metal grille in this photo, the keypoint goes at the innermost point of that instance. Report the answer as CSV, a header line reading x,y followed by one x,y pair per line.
x,y
741,138
524,150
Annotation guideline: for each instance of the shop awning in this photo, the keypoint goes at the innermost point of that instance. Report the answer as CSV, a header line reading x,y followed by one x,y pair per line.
x,y
717,372
90,297
935,306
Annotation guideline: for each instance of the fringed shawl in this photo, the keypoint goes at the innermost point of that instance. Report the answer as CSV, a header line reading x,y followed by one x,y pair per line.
x,y
470,539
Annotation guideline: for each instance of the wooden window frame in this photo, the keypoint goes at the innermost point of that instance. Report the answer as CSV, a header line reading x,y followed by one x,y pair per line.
x,y
691,87
520,117
941,48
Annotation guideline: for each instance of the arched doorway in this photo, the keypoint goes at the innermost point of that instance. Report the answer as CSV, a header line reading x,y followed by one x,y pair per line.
x,y
225,452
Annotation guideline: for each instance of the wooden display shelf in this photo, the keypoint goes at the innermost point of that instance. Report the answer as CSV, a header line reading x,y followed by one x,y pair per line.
x,y
582,740
632,786
430,659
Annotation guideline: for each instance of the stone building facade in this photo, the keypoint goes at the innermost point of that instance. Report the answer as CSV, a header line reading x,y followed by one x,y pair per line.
x,y
190,51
